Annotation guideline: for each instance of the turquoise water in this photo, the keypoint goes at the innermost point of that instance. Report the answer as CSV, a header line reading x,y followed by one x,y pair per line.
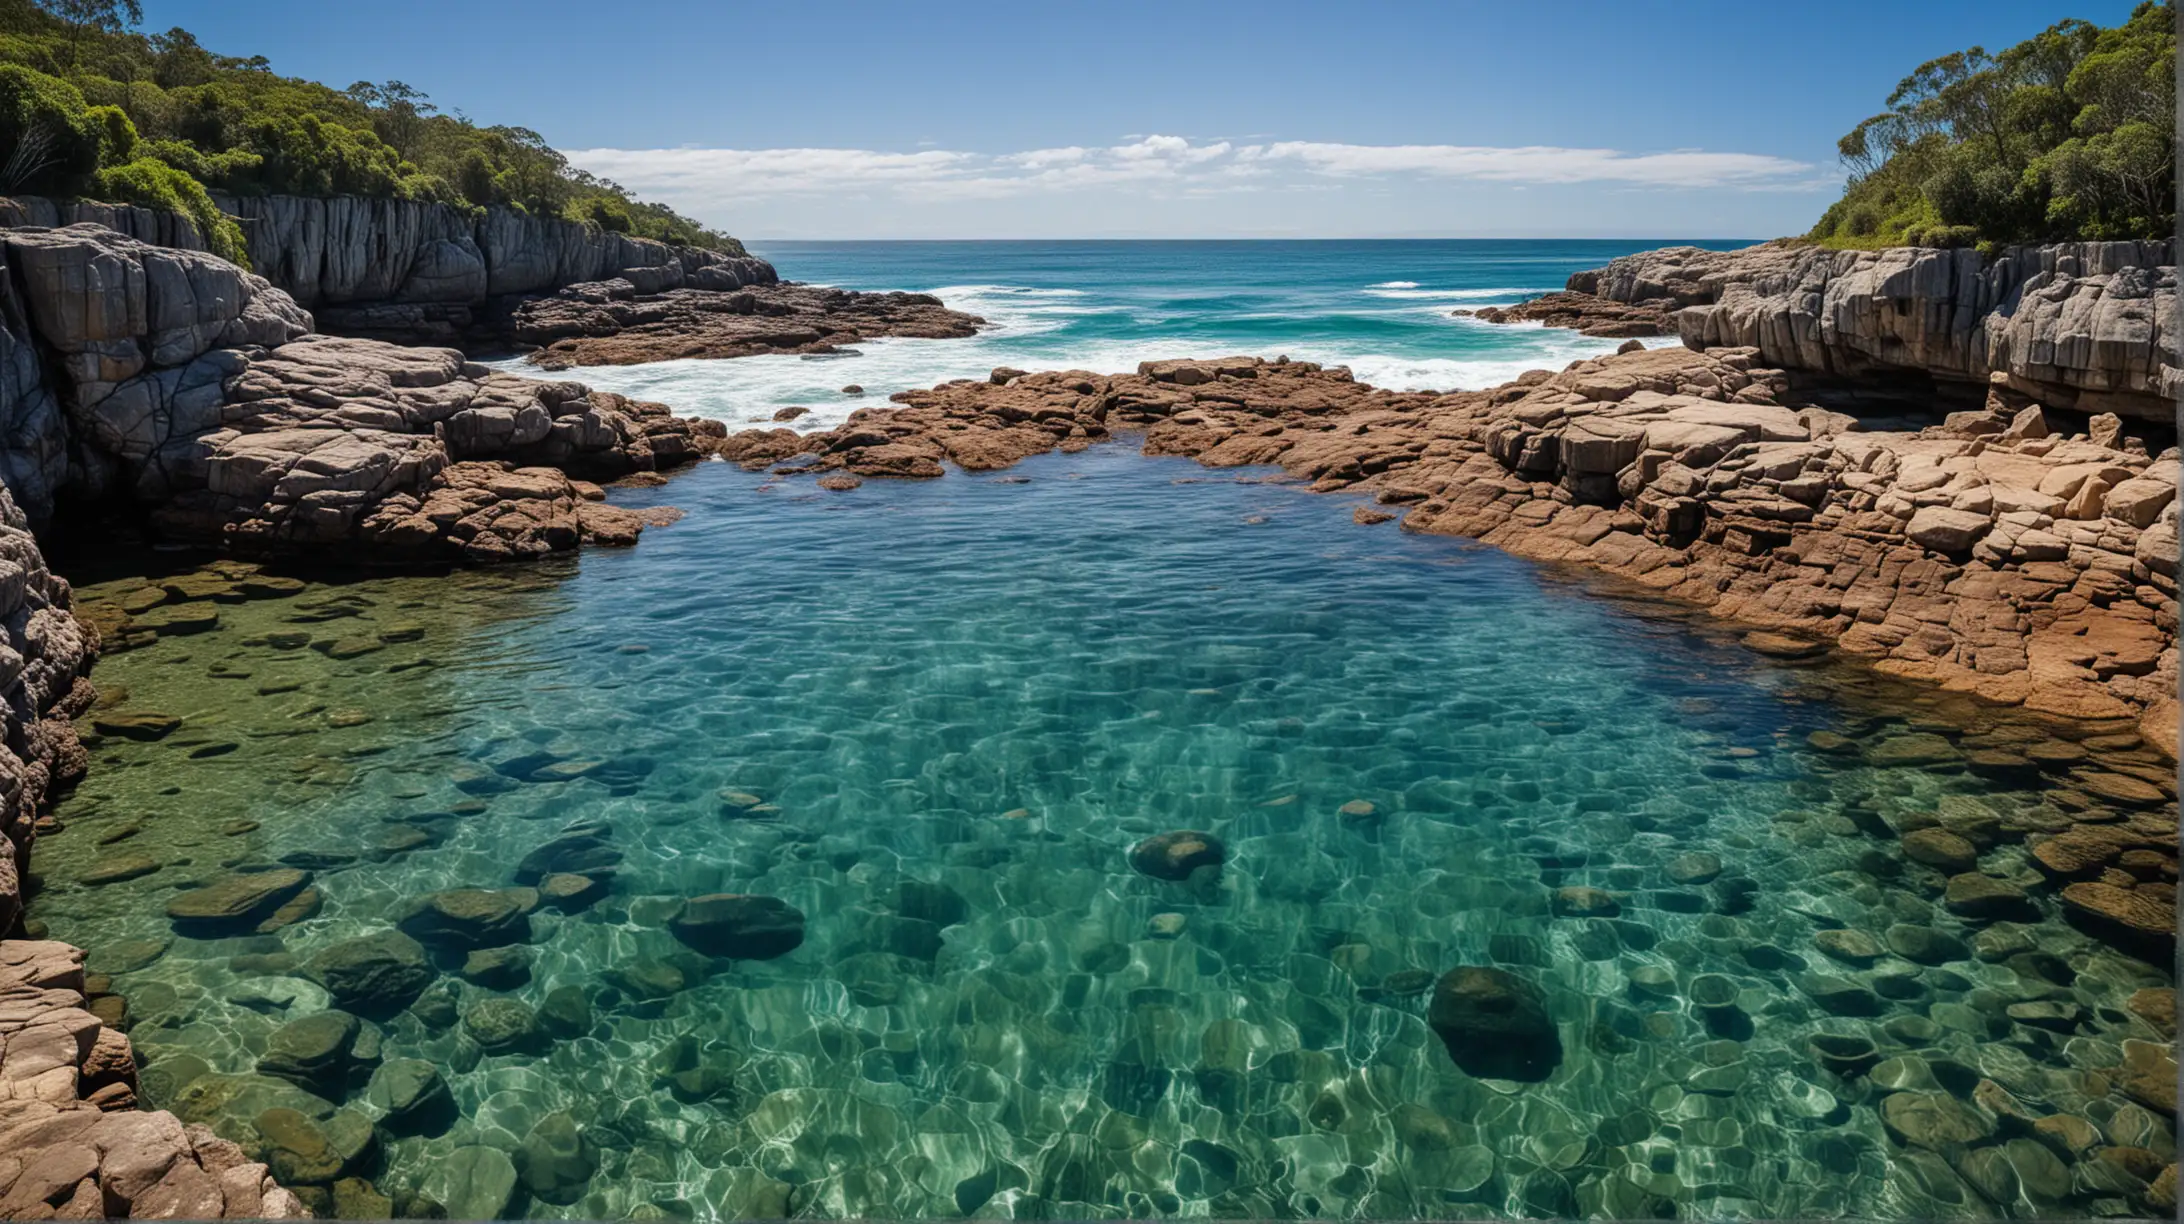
x,y
935,717
1382,308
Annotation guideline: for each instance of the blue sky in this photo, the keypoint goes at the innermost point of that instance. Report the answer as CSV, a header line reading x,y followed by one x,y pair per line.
x,y
1177,119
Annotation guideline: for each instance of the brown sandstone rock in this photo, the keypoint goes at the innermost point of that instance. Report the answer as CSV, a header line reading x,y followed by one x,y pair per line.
x,y
619,325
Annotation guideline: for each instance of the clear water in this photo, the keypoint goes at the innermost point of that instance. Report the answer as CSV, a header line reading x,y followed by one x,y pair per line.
x,y
1381,308
999,686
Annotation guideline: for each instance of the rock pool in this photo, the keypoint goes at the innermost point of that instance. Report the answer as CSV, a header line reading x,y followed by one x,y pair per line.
x,y
1743,936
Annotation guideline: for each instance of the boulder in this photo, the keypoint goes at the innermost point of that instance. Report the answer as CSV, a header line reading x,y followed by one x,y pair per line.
x,y
1939,848
409,1095
1935,1121
503,968
1494,1024
1945,530
1577,901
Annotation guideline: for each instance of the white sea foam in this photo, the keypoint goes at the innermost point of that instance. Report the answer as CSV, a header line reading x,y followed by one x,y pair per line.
x,y
1394,285
1037,328
1448,295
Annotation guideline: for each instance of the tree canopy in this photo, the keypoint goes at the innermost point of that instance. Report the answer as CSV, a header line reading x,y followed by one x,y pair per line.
x,y
2070,134
91,107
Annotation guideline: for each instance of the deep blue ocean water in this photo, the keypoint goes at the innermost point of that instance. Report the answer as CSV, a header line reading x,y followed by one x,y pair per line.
x,y
935,717
1381,308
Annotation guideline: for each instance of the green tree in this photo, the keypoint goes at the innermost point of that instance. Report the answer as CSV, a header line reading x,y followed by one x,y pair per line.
x,y
2069,134
86,17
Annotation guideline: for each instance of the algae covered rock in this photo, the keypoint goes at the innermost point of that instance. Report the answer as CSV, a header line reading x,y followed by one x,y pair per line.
x,y
504,1026
1494,1024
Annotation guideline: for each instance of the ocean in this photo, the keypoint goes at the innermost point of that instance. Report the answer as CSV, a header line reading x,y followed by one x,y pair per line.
x,y
1382,308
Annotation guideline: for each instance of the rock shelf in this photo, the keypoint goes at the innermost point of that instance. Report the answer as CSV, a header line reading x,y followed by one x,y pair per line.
x,y
2085,326
619,322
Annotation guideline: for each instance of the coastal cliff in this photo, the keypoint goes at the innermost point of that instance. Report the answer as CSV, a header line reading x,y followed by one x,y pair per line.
x,y
410,271
2087,327
176,382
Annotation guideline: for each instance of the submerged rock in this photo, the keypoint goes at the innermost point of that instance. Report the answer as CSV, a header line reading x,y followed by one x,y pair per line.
x,y
469,918
410,1096
503,968
557,1160
504,1026
373,975
1174,856
473,1182
1577,901
579,850
739,925
313,1053
1494,1024
235,903
1935,1121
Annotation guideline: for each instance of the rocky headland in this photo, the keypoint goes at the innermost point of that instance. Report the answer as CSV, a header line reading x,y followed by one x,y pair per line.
x,y
1584,313
412,272
2088,327
174,382
499,280
625,322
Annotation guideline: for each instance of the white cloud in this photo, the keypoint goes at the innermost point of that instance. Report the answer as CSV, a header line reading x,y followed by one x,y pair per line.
x,y
1542,164
1144,177
1157,160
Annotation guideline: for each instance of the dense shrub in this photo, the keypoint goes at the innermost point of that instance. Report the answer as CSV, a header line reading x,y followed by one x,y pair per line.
x,y
2069,134
52,144
79,90
155,184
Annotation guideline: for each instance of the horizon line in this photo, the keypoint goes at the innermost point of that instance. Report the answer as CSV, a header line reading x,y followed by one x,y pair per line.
x,y
1296,238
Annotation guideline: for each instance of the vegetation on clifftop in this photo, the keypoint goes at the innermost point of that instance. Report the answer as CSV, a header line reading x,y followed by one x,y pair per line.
x,y
2070,134
90,107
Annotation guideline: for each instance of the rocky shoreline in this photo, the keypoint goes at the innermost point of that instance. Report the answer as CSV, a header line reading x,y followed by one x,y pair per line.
x,y
2088,327
619,322
1585,314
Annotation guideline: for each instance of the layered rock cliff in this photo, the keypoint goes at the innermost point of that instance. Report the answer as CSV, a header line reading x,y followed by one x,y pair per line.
x,y
176,381
404,270
2088,327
